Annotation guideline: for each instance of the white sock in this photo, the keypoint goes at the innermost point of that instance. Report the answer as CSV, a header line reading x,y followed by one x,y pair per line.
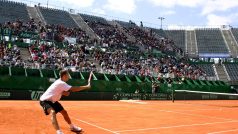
x,y
58,130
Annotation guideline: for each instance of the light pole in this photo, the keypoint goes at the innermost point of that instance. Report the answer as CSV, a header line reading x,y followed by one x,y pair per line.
x,y
47,3
161,19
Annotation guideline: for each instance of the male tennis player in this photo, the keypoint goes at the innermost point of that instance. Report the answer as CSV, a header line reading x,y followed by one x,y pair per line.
x,y
49,100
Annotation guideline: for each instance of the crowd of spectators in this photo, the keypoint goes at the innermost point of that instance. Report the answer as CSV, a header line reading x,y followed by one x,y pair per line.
x,y
18,26
46,54
48,32
119,62
10,55
59,32
147,39
110,36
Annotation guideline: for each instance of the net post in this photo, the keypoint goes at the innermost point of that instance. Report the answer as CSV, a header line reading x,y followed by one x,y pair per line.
x,y
172,95
171,91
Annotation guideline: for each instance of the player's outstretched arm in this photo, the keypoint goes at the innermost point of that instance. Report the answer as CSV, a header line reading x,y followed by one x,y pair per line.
x,y
80,88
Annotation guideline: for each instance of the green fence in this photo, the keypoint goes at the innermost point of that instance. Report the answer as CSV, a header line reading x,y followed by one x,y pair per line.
x,y
15,78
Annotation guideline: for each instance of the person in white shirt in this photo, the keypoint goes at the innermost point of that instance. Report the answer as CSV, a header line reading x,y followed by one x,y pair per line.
x,y
49,100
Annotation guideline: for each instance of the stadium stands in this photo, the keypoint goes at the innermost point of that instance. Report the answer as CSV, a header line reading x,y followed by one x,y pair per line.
x,y
160,32
149,41
61,33
110,36
118,62
60,17
91,18
232,70
112,61
11,11
46,56
211,43
235,33
208,69
117,58
178,36
12,56
126,24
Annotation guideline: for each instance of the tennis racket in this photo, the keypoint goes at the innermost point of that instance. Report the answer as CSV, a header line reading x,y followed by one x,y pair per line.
x,y
90,77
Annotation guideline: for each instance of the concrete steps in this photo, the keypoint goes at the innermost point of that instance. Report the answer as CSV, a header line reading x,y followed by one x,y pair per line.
x,y
34,12
83,25
231,43
191,44
221,72
25,54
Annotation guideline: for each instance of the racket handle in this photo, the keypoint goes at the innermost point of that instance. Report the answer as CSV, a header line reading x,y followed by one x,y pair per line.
x,y
90,77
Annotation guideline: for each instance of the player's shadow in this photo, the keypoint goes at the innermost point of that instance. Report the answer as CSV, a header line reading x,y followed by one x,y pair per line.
x,y
79,132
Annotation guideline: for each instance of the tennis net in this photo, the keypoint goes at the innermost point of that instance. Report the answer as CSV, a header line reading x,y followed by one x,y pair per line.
x,y
200,95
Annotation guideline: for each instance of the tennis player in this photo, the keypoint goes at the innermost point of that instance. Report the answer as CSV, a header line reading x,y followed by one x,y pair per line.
x,y
51,106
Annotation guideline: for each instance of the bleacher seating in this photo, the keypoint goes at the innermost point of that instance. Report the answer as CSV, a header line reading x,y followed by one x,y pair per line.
x,y
126,24
210,41
235,33
150,41
232,71
91,18
113,60
208,69
11,11
109,34
178,36
160,32
55,16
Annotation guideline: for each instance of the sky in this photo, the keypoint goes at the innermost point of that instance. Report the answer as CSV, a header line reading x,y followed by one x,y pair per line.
x,y
177,13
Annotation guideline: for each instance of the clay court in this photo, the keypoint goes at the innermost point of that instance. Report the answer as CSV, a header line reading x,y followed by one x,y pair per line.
x,y
124,117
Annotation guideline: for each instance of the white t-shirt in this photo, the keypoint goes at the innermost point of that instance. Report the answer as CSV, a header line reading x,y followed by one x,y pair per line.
x,y
54,92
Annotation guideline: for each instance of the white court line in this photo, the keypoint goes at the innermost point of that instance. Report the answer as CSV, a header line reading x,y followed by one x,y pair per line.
x,y
133,101
207,104
198,115
202,124
96,126
217,109
232,130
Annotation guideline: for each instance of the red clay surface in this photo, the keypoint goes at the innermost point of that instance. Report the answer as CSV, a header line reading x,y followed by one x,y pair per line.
x,y
117,117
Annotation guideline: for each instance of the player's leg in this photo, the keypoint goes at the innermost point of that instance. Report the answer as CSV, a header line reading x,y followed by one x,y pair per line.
x,y
59,108
48,108
54,121
68,120
66,116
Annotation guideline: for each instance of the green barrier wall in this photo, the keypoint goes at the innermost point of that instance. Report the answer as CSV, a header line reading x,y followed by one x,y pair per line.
x,y
33,79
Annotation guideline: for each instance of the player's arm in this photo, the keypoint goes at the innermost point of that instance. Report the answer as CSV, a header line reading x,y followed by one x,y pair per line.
x,y
80,88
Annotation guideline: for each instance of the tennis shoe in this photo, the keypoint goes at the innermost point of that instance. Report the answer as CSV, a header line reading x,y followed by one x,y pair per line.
x,y
75,128
59,132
